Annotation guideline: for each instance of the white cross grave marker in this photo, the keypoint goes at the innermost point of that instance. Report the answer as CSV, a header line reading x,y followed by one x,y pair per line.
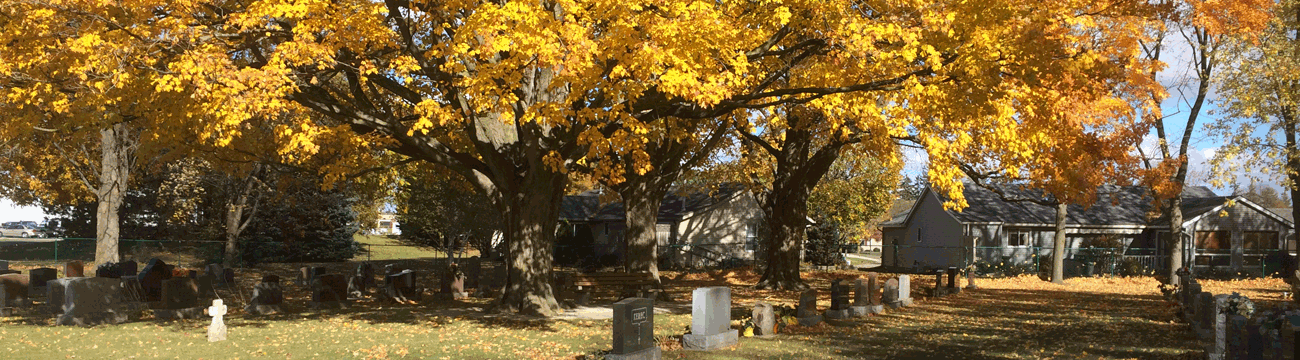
x,y
217,331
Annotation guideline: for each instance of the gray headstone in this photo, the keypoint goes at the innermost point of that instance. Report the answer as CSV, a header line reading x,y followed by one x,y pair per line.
x,y
1202,305
1219,325
808,303
92,300
764,319
634,336
904,288
16,287
4,264
891,292
710,320
55,292
267,297
860,293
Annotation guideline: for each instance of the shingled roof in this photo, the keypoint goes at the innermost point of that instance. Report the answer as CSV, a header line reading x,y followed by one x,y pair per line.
x,y
586,206
1115,205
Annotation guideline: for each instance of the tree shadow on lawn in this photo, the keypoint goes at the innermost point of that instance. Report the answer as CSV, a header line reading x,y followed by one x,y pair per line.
x,y
992,324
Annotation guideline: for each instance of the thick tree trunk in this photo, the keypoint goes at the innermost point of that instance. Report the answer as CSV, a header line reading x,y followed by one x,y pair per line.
x,y
641,202
788,209
531,208
1176,244
1058,245
113,178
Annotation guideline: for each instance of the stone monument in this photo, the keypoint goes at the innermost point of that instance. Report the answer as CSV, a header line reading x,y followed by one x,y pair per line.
x,y
710,320
634,330
764,319
217,331
807,313
839,301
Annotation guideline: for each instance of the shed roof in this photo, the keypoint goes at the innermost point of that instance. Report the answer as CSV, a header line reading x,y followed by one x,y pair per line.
x,y
1115,206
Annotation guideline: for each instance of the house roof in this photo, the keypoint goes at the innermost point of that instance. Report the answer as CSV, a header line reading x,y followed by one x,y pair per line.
x,y
1115,206
587,207
1285,213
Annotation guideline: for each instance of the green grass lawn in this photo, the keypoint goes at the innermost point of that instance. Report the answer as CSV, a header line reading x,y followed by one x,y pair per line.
x,y
1108,318
380,248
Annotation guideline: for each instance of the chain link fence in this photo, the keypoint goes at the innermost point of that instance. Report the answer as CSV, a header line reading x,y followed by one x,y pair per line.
x,y
1086,261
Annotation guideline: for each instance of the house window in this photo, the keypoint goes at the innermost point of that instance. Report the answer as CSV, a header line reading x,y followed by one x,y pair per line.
x,y
751,237
1259,240
1212,248
1019,238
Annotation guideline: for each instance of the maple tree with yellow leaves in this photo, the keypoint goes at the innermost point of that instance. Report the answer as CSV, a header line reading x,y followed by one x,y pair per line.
x,y
515,95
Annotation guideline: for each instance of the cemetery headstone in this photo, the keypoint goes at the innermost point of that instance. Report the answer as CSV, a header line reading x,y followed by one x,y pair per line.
x,y
839,301
473,269
131,289
1255,342
452,285
6,309
861,299
217,330
55,293
228,276
952,279
15,289
4,272
304,275
329,290
939,289
151,279
42,275
74,268
361,281
267,297
970,278
400,287
764,318
1288,334
180,299
4,264
1219,337
634,328
710,320
1199,320
807,313
905,290
1236,337
129,268
92,300
193,274
216,272
109,270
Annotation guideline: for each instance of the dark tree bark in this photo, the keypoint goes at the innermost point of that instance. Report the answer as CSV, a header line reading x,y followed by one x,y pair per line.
x,y
1293,174
642,205
1058,244
785,206
531,208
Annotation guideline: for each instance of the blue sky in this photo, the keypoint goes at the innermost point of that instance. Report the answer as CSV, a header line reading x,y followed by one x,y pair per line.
x,y
1176,107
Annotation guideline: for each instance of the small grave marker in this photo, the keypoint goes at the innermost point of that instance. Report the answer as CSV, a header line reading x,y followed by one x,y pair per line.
x,y
634,337
217,330
710,320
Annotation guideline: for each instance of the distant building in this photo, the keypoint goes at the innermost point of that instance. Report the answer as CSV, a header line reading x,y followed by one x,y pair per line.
x,y
1222,232
386,225
698,229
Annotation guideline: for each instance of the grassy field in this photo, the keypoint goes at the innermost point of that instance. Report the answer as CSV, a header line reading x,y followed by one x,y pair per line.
x,y
1012,318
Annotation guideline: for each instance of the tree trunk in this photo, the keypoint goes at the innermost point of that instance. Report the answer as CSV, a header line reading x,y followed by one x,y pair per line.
x,y
1176,244
1293,174
1058,245
788,209
641,202
113,178
531,208
234,212
786,206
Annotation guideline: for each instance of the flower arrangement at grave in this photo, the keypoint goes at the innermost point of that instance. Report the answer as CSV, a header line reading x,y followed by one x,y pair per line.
x,y
1239,305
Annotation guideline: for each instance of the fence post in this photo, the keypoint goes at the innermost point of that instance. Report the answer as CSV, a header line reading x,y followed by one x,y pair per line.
x,y
56,251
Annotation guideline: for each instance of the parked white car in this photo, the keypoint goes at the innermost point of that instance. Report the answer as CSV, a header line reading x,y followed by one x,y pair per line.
x,y
20,230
